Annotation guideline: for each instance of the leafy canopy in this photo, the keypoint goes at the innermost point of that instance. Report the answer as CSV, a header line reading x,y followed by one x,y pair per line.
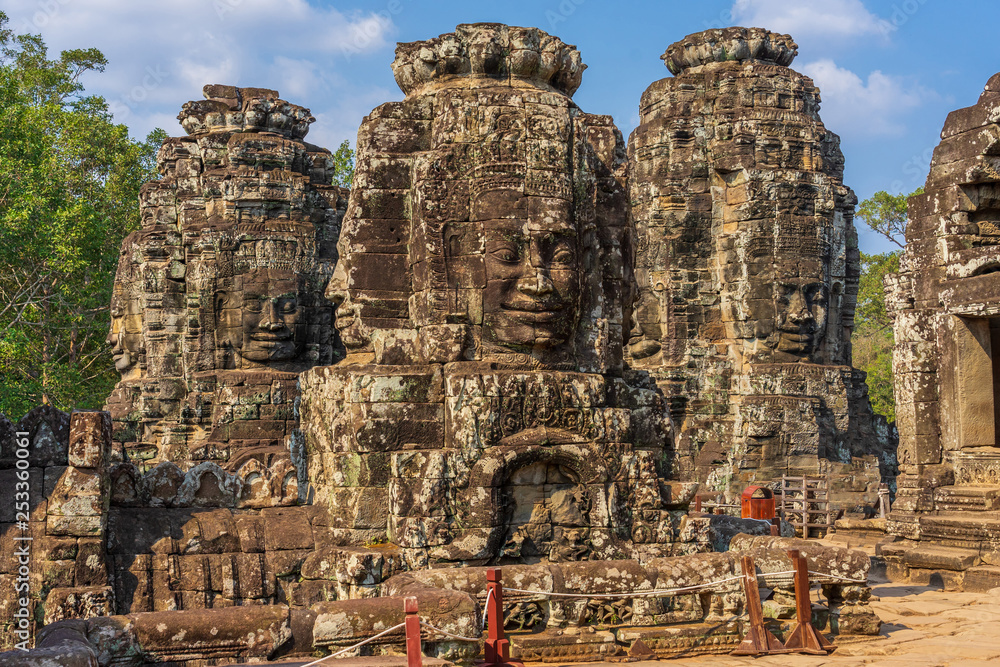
x,y
343,165
69,185
872,340
886,214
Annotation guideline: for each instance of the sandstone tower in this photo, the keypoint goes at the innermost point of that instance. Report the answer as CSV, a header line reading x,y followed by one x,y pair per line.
x,y
218,302
481,414
747,266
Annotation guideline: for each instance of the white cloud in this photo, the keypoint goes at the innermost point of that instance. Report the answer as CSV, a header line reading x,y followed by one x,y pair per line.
x,y
161,53
809,19
853,106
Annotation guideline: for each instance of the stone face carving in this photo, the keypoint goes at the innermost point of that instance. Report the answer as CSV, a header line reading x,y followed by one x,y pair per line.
x,y
486,266
480,205
218,301
945,302
747,267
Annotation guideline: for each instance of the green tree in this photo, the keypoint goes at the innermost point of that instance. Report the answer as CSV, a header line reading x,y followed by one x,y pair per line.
x,y
886,214
872,340
69,185
343,165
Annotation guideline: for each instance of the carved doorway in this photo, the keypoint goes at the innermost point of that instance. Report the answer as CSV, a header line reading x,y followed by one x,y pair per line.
x,y
546,515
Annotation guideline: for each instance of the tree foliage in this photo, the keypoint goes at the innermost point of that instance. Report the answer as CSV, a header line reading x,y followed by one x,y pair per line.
x,y
69,185
343,165
886,214
873,340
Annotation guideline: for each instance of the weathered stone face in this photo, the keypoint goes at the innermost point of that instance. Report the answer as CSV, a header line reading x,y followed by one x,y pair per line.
x,y
532,283
261,318
747,266
482,201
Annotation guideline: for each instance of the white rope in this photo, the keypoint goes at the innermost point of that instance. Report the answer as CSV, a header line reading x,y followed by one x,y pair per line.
x,y
358,645
646,594
635,594
486,607
838,577
448,634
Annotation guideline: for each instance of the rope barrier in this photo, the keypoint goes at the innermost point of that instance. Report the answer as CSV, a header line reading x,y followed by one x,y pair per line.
x,y
448,634
668,591
489,592
838,577
599,596
358,645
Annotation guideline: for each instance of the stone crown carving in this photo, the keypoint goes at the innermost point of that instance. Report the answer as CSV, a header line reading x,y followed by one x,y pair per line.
x,y
232,109
730,44
490,50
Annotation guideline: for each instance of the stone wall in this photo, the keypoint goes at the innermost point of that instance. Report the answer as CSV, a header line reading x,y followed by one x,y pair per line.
x,y
945,302
57,562
747,267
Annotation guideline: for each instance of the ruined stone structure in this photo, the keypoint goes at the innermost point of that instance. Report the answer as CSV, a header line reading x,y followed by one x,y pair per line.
x,y
482,414
490,406
747,268
946,307
218,302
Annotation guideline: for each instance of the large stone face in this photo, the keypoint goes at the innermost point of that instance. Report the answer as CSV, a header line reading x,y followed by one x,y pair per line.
x,y
218,301
481,412
747,267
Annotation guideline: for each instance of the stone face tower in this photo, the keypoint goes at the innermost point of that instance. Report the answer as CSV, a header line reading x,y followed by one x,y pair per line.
x,y
747,266
218,302
481,414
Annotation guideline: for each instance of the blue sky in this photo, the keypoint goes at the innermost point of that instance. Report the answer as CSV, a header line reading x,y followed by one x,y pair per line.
x,y
889,70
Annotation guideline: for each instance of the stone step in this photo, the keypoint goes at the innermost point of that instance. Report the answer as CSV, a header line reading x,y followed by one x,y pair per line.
x,y
940,558
982,578
967,498
968,527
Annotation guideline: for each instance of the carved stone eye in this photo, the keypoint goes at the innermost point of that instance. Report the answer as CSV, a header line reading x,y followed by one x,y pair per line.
x,y
507,254
253,304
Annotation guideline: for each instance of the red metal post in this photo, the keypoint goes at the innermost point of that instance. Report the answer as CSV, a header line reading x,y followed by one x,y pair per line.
x,y
804,638
497,647
413,653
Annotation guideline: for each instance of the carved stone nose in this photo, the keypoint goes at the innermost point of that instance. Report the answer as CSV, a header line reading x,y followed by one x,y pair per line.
x,y
535,282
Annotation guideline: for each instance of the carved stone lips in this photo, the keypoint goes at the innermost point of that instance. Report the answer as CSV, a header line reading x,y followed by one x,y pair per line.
x,y
533,312
270,337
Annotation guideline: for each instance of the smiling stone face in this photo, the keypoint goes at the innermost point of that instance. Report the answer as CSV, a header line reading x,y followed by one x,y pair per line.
x,y
800,318
125,337
261,318
532,282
